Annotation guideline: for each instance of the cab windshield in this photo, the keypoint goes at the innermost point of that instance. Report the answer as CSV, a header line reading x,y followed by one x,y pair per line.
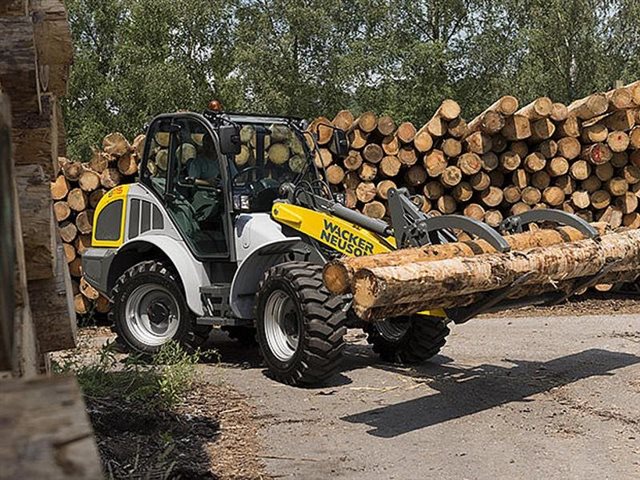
x,y
270,155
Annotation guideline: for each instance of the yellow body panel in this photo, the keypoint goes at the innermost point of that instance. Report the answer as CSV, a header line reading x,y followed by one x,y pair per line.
x,y
117,193
340,235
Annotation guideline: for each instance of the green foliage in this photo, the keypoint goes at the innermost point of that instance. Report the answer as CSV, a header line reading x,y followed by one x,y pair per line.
x,y
158,382
138,58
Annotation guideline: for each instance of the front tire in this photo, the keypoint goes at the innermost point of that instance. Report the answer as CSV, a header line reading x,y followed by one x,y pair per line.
x,y
150,310
300,324
408,340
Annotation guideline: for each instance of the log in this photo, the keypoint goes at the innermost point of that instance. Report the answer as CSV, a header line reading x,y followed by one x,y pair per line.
x,y
423,141
335,174
128,164
351,180
407,155
580,199
90,180
536,110
489,122
589,107
619,99
493,218
558,166
435,163
353,160
391,145
559,112
366,192
373,153
604,172
634,137
516,128
627,203
61,211
534,162
82,243
321,127
580,170
47,433
569,147
77,200
491,197
480,181
84,221
390,166
509,160
542,129
350,199
433,190
406,132
512,194
457,128
451,176
115,144
617,186
618,141
279,153
110,178
597,153
436,127
571,127
469,163
553,196
71,170
99,160
600,199
451,147
357,139
367,172
323,158
446,204
416,175
338,275
531,195
548,148
102,304
473,210
623,120
594,133
519,208
619,159
489,161
448,110
374,209
81,304
37,219
59,188
386,125
366,122
478,143
343,120
95,197
87,290
498,143
138,144
244,157
631,174
540,180
383,188
520,178
613,216
461,193
430,283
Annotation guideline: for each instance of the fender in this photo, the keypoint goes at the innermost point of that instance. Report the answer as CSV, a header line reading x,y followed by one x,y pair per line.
x,y
190,270
245,282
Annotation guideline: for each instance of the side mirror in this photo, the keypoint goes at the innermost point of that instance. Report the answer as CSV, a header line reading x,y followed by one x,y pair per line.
x,y
229,140
339,144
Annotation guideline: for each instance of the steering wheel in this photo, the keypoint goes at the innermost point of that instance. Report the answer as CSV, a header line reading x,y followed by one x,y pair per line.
x,y
243,171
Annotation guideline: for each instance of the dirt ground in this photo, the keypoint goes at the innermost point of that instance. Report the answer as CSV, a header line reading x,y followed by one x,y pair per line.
x,y
533,393
509,397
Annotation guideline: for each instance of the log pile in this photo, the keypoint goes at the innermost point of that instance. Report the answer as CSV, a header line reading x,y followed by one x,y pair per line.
x,y
76,191
583,158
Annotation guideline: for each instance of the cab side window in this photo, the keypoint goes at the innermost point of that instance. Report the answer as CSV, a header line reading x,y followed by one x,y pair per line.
x,y
158,155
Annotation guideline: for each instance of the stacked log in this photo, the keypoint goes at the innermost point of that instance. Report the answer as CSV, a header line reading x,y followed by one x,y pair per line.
x,y
76,191
583,158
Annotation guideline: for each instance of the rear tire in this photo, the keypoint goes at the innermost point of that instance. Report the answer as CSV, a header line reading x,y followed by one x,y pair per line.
x,y
149,310
300,324
408,340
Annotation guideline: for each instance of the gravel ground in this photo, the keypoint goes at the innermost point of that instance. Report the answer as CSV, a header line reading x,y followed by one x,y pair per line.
x,y
528,397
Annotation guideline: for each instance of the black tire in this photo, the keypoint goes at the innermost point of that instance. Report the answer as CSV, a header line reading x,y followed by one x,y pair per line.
x,y
153,273
422,339
317,316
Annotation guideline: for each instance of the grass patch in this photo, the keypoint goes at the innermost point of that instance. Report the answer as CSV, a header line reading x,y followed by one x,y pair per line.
x,y
157,382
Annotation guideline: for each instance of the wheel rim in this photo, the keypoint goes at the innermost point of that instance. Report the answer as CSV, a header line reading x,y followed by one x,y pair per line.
x,y
281,325
393,329
152,314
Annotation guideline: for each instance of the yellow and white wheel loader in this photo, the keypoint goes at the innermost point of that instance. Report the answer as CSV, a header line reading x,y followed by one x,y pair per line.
x,y
201,242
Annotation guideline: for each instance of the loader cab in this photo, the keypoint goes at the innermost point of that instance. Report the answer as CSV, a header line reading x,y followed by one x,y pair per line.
x,y
209,169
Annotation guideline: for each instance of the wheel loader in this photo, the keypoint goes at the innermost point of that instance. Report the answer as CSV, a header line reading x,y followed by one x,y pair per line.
x,y
212,237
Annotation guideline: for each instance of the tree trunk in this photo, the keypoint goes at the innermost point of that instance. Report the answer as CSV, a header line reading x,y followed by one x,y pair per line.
x,y
539,108
373,153
374,209
517,127
436,163
406,132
